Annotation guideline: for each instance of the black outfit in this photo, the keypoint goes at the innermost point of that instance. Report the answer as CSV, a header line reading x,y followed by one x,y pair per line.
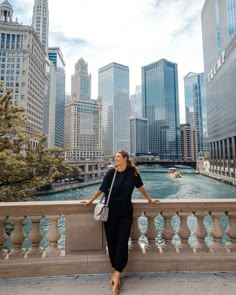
x,y
118,225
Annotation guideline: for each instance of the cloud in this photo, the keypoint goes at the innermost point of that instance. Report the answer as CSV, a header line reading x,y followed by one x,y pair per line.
x,y
133,33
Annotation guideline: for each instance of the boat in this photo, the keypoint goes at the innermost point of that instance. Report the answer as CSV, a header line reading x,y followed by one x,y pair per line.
x,y
171,170
176,174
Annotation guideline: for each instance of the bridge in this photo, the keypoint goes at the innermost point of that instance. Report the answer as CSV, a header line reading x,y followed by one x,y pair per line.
x,y
167,163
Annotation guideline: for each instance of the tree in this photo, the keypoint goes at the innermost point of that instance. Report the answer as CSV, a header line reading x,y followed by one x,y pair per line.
x,y
25,163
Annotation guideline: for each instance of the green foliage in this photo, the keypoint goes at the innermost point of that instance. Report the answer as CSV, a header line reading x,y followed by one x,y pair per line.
x,y
25,163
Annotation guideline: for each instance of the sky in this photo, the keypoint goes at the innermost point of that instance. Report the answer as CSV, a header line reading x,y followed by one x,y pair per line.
x,y
130,32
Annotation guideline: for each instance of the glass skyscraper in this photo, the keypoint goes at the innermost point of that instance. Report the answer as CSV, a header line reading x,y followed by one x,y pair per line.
x,y
218,27
160,103
195,104
56,57
113,89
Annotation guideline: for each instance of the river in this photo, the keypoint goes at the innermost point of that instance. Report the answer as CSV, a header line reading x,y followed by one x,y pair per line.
x,y
159,184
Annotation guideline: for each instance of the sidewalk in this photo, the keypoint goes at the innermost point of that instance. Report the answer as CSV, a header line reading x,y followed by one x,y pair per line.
x,y
182,283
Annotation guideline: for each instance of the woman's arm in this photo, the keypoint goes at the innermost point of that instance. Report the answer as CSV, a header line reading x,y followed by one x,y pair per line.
x,y
145,194
94,197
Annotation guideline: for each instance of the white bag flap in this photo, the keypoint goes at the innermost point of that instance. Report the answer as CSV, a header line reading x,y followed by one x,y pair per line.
x,y
98,208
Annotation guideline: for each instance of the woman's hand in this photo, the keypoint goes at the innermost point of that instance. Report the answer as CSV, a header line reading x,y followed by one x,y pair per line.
x,y
86,202
153,201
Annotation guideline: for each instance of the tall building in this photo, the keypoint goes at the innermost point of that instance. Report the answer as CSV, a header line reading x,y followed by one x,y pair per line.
x,y
56,57
49,104
195,103
136,103
22,63
113,88
189,142
138,136
160,101
81,81
219,48
40,21
83,136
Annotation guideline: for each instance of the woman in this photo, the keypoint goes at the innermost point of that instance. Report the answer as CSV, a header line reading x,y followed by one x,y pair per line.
x,y
118,225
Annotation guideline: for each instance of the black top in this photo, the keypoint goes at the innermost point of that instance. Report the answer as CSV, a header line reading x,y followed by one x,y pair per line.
x,y
123,186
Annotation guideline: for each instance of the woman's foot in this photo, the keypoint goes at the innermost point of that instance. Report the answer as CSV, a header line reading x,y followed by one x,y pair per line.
x,y
116,283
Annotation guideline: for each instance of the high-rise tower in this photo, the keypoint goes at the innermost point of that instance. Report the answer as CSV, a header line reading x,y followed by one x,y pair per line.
x,y
161,108
56,57
40,21
81,81
195,105
219,49
113,88
22,63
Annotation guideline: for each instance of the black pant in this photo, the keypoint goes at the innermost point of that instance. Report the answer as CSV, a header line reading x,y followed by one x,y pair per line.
x,y
117,230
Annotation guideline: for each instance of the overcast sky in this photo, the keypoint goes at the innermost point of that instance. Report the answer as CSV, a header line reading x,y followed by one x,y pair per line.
x,y
131,32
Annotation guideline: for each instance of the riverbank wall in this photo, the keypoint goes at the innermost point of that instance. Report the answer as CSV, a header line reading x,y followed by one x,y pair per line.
x,y
67,186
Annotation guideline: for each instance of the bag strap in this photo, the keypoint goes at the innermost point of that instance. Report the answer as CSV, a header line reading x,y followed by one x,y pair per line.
x,y
109,195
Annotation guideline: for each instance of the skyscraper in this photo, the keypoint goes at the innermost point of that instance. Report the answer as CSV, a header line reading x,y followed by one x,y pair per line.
x,y
161,108
113,88
219,48
81,81
138,136
49,103
83,136
22,64
136,103
189,139
40,21
56,57
195,104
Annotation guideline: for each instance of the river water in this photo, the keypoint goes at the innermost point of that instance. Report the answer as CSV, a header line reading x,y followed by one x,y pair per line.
x,y
160,185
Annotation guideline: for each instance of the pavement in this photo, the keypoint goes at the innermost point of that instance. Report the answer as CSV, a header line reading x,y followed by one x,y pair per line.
x,y
176,283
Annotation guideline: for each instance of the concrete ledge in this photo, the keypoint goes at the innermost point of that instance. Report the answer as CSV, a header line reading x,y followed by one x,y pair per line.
x,y
88,264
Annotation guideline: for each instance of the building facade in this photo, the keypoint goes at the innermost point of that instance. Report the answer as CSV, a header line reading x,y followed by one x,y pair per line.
x,y
160,104
49,103
136,103
189,142
40,21
219,48
22,64
81,81
83,137
113,89
56,57
138,136
195,105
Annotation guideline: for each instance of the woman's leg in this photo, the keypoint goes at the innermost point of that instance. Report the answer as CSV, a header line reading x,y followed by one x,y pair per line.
x,y
111,237
123,234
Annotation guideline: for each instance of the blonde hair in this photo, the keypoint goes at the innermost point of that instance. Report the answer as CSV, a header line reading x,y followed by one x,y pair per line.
x,y
130,162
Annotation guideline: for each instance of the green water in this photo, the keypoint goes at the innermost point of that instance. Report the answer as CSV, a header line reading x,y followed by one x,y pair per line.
x,y
159,184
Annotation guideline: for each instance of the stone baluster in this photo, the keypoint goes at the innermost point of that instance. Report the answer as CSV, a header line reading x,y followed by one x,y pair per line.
x,y
231,231
35,236
216,232
3,236
135,234
151,232
168,231
200,232
53,236
17,237
183,232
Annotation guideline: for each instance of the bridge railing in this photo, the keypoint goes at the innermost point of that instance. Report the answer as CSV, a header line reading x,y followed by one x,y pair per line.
x,y
51,238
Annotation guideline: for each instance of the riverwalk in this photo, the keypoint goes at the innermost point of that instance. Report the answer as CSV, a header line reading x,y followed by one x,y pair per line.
x,y
176,283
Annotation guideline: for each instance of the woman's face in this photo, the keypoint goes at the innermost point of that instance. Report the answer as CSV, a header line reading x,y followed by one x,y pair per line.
x,y
120,160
